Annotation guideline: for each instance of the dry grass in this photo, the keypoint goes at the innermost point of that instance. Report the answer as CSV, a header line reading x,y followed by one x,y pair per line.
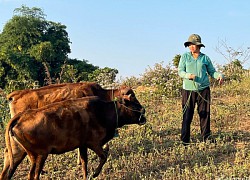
x,y
154,151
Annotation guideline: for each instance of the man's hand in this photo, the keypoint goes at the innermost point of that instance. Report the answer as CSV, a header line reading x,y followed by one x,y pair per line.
x,y
191,77
220,79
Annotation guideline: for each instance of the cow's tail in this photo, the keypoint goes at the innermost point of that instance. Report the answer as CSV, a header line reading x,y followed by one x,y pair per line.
x,y
9,133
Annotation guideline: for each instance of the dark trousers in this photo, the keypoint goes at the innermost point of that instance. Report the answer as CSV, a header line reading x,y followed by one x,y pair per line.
x,y
189,99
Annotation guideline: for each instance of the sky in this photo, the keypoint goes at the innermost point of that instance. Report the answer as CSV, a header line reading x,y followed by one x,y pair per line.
x,y
133,35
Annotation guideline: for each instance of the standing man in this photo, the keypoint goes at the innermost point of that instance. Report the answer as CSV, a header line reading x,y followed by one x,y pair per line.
x,y
194,67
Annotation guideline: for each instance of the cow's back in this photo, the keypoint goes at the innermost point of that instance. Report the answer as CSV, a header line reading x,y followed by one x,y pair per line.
x,y
57,123
22,100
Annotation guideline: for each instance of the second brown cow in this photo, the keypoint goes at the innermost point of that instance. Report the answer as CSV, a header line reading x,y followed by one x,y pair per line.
x,y
64,126
35,98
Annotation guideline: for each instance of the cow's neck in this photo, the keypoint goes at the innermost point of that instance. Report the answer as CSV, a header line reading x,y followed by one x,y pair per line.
x,y
111,111
113,93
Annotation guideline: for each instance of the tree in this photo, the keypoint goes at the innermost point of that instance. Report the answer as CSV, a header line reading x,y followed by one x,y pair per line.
x,y
231,54
43,53
21,40
76,71
176,60
15,40
236,57
30,12
83,67
56,34
104,76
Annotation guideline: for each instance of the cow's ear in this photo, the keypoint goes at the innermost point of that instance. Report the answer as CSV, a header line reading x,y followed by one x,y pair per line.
x,y
124,90
127,97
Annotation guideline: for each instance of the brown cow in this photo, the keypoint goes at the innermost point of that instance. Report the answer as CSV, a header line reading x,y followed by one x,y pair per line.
x,y
22,100
64,126
34,98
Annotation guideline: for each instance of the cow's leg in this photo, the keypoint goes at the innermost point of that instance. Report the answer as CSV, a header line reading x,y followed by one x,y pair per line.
x,y
37,162
6,166
40,160
103,155
18,155
84,160
105,147
32,159
4,174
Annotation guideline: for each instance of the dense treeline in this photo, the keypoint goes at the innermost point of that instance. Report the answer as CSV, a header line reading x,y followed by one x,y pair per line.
x,y
33,49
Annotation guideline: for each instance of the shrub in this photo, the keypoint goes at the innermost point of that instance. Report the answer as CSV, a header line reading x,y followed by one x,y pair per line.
x,y
4,109
165,79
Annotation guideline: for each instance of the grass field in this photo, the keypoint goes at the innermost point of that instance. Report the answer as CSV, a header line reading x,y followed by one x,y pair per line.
x,y
154,151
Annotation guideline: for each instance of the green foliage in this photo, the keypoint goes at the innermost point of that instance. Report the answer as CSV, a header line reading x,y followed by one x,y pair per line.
x,y
104,76
28,42
34,49
56,34
30,12
19,85
82,68
42,52
233,71
4,110
165,79
176,60
69,75
132,81
1,69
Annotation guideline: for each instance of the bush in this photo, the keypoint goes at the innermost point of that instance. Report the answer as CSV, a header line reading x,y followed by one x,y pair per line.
x,y
233,71
165,79
4,109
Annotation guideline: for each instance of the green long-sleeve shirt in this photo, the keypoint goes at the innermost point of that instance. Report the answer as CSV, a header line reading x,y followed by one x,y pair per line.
x,y
200,67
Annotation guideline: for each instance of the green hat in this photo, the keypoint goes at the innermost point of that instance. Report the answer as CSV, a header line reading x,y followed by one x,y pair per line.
x,y
194,39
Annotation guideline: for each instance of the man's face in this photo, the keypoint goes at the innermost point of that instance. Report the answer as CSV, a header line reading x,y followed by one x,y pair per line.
x,y
194,48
